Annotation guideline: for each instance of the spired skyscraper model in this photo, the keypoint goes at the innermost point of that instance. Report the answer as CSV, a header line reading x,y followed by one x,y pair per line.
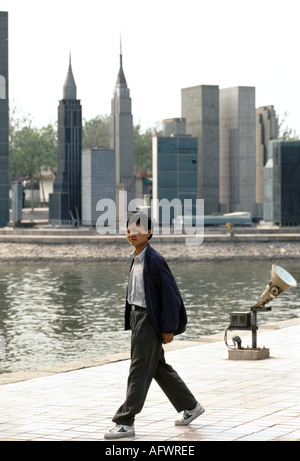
x,y
4,143
65,201
121,135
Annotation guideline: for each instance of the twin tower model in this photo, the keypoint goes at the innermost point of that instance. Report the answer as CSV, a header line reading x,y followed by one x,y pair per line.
x,y
65,203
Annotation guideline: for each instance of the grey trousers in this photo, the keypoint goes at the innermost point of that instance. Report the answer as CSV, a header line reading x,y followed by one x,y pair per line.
x,y
148,362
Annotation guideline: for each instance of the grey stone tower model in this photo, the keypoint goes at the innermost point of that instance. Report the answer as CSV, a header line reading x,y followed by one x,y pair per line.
x,y
4,143
65,202
121,134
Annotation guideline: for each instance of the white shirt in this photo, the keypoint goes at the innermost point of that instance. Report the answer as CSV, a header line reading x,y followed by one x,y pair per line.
x,y
136,292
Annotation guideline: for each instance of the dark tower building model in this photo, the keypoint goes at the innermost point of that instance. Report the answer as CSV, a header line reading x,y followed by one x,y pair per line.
x,y
4,142
65,201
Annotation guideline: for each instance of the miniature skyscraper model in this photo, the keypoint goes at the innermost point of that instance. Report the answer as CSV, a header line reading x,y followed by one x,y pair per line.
x,y
200,108
65,202
237,149
4,143
121,134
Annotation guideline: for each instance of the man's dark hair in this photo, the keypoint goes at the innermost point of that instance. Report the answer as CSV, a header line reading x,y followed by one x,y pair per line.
x,y
141,219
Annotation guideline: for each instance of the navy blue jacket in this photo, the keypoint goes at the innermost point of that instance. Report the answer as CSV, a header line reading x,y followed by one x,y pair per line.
x,y
165,306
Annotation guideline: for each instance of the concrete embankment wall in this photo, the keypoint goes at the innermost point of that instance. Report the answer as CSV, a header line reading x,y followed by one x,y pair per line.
x,y
102,250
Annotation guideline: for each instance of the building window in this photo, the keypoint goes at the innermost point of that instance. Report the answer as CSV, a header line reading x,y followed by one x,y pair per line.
x,y
2,87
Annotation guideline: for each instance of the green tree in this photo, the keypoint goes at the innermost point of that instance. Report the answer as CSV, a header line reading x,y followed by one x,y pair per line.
x,y
95,132
143,147
285,132
31,148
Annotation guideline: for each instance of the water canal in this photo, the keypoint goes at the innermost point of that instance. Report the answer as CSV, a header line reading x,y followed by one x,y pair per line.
x,y
62,312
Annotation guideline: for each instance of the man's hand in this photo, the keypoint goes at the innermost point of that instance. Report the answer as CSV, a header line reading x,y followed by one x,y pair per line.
x,y
167,337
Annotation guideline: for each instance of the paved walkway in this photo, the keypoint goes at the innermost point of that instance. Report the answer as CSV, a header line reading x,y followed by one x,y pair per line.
x,y
244,400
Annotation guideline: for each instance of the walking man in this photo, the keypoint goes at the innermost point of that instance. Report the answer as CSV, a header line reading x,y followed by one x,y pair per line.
x,y
155,313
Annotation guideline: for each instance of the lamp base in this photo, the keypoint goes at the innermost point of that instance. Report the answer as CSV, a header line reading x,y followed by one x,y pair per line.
x,y
248,354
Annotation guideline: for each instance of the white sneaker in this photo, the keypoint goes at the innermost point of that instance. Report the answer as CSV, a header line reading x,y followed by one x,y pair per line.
x,y
120,431
189,416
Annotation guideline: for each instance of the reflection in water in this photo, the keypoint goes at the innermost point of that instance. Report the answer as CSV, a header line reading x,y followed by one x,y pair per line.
x,y
63,312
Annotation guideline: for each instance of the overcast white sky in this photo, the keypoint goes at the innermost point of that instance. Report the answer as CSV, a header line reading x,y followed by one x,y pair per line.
x,y
167,45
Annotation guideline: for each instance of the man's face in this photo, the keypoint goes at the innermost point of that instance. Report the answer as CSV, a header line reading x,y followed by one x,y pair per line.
x,y
137,235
